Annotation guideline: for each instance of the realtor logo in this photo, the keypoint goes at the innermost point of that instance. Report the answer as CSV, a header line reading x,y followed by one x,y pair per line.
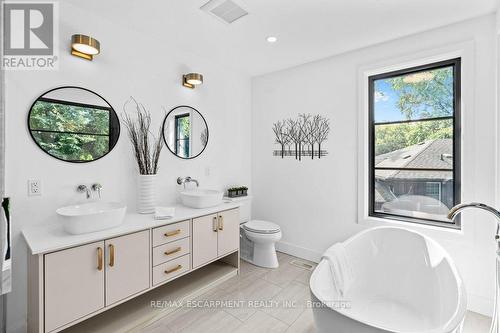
x,y
29,35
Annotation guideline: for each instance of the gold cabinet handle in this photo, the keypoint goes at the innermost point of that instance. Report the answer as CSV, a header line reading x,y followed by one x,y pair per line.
x,y
111,255
214,224
173,251
172,233
221,222
99,258
168,271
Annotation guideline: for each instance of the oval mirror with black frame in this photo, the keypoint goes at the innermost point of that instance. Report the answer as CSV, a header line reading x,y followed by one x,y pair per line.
x,y
73,124
185,132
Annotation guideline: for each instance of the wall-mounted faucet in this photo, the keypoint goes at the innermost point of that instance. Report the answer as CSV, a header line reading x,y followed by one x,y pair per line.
x,y
97,188
188,179
88,191
84,189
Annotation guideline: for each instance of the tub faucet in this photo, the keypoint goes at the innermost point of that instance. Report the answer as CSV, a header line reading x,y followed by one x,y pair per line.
x,y
188,179
458,209
494,328
82,189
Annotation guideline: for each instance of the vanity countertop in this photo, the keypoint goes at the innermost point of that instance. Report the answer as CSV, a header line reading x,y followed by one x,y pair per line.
x,y
52,237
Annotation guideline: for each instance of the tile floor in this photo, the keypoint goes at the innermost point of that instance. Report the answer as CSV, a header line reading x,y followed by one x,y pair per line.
x,y
254,284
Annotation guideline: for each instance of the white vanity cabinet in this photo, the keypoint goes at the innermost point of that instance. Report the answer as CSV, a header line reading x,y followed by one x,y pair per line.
x,y
85,279
204,239
215,235
127,266
228,235
74,284
73,278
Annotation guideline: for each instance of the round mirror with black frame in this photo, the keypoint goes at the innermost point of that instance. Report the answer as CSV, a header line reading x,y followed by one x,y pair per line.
x,y
73,124
185,132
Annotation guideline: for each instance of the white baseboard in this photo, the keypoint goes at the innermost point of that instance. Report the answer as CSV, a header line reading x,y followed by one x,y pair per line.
x,y
297,251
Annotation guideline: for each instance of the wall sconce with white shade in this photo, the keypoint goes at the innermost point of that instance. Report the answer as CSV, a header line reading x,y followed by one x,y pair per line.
x,y
84,46
191,80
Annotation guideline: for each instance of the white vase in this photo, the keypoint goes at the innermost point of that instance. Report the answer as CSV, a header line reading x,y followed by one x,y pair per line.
x,y
146,199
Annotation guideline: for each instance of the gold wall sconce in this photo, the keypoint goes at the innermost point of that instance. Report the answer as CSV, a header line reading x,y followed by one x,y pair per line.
x,y
84,46
191,80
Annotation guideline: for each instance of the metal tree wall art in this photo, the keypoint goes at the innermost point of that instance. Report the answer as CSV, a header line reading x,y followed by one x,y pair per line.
x,y
299,137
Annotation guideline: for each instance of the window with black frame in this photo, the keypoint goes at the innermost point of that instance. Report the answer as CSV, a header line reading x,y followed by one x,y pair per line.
x,y
182,134
414,125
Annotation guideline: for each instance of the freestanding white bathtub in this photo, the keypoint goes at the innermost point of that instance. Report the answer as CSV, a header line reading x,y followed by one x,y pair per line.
x,y
404,282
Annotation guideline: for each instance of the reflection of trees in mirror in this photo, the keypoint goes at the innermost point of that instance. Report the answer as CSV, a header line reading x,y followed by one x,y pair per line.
x,y
183,135
73,147
70,132
303,135
184,127
55,116
146,146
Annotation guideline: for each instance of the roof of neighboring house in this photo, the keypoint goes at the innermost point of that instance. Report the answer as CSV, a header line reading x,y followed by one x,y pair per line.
x,y
431,154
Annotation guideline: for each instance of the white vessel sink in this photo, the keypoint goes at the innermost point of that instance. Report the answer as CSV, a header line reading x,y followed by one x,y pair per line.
x,y
93,216
201,198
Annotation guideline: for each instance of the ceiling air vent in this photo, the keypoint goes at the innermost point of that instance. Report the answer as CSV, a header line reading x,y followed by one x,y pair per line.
x,y
225,10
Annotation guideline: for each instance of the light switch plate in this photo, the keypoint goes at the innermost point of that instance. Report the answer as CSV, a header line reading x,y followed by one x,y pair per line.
x,y
34,187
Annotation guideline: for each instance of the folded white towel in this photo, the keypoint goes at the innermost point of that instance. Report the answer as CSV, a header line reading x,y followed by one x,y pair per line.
x,y
163,213
340,267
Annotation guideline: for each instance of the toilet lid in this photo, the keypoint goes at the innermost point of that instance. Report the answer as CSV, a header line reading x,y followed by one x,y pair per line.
x,y
263,227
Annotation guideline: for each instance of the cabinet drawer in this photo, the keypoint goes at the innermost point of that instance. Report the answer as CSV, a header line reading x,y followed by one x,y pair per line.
x,y
169,251
171,269
170,233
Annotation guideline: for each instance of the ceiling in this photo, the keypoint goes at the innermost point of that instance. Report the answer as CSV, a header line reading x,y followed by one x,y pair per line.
x,y
307,30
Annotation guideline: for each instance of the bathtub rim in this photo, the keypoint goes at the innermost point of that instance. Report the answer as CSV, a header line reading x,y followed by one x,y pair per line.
x,y
460,311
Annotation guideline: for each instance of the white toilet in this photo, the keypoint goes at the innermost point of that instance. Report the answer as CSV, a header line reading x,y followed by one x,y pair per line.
x,y
257,237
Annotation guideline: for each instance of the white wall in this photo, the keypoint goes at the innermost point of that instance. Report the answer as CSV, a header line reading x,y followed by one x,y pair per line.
x,y
151,72
316,201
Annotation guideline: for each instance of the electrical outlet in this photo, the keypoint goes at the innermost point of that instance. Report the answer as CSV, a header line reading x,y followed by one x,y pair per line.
x,y
34,187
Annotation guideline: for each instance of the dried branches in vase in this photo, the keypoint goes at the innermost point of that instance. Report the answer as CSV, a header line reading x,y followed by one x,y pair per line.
x,y
146,146
147,149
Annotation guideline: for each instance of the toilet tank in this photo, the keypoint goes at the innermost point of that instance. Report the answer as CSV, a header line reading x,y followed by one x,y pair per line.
x,y
245,208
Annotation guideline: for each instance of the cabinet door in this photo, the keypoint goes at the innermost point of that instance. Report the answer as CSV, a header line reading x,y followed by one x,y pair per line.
x,y
204,239
74,284
229,231
127,266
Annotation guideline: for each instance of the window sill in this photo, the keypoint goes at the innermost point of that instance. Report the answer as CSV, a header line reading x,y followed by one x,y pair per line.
x,y
372,221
